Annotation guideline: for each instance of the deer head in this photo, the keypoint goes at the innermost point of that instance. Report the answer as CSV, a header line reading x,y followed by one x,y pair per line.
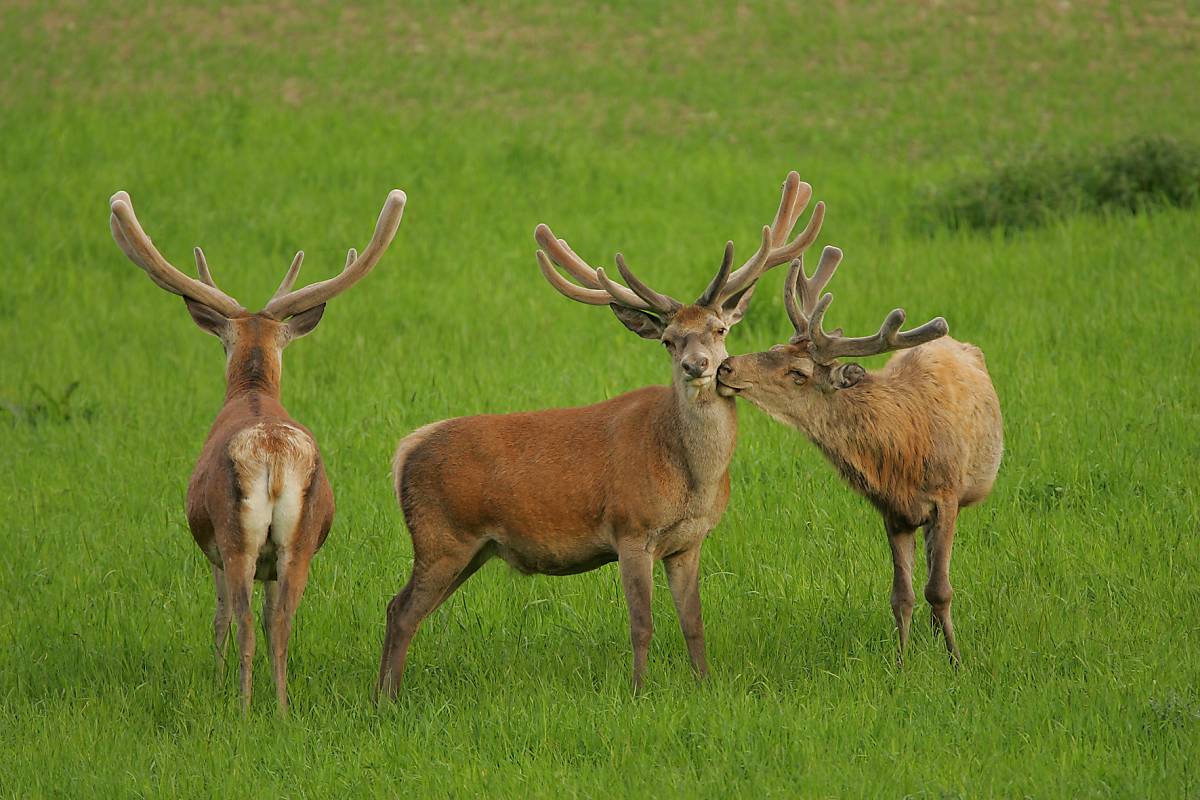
x,y
786,378
693,334
287,316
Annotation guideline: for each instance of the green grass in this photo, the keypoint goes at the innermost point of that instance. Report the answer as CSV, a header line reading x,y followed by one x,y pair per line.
x,y
661,131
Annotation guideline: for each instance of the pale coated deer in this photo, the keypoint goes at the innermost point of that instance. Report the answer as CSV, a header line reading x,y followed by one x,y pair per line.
x,y
920,438
259,503
635,479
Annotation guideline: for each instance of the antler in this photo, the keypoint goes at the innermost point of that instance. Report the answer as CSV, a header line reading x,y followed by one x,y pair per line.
x,y
823,347
775,249
133,241
808,288
597,288
287,303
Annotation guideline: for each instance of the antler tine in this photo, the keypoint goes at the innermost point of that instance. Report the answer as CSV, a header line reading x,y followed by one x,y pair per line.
x,y
801,310
562,254
202,267
663,304
796,194
826,348
593,291
811,288
713,292
790,285
794,199
323,291
289,279
351,254
593,297
137,246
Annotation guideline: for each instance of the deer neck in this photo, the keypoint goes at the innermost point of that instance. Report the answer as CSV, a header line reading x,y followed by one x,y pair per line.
x,y
705,431
860,430
253,369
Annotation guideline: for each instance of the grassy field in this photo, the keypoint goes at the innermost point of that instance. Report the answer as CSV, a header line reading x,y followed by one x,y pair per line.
x,y
662,131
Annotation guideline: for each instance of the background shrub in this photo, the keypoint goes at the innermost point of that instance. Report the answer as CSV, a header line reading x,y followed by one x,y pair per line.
x,y
1133,176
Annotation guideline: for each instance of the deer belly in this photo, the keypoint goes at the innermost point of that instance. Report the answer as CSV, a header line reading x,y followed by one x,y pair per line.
x,y
553,555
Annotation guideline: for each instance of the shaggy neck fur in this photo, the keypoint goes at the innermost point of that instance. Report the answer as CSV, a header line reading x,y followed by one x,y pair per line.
x,y
877,435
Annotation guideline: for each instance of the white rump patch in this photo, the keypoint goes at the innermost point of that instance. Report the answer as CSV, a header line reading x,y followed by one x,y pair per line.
x,y
274,462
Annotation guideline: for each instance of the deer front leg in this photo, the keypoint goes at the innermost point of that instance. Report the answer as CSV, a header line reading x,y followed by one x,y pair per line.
x,y
221,620
683,576
939,545
637,578
903,543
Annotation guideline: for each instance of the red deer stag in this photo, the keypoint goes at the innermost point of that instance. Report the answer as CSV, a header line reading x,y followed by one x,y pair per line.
x,y
259,503
638,478
920,438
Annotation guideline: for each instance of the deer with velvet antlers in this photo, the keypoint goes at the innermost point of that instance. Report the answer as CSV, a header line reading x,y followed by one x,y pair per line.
x,y
638,478
259,503
920,438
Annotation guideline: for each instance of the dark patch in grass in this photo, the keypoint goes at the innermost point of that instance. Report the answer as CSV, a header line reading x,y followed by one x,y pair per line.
x,y
1174,709
1044,497
43,407
1134,176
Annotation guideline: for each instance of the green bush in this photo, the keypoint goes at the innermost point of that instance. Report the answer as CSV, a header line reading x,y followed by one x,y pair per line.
x,y
1133,176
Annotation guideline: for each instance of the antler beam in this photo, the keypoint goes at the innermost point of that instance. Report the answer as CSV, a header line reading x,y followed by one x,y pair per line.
x,y
807,314
290,303
596,289
136,244
775,248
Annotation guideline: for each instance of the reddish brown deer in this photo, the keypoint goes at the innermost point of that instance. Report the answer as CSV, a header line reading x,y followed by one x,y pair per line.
x,y
635,479
259,503
920,438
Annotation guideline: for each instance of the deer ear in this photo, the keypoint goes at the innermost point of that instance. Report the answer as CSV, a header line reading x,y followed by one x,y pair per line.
x,y
733,309
209,320
843,376
303,323
644,325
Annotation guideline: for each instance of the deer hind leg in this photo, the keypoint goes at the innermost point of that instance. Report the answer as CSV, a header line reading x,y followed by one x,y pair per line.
x,y
637,578
903,541
222,619
431,583
683,576
270,600
293,578
239,582
939,545
295,531
480,558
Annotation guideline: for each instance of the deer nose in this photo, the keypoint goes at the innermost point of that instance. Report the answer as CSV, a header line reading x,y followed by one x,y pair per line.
x,y
695,367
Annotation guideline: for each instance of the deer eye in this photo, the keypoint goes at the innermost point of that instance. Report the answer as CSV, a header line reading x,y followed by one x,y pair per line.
x,y
722,331
797,376
667,343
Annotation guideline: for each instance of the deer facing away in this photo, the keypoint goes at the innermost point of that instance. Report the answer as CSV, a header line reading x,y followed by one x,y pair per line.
x,y
638,478
920,438
259,503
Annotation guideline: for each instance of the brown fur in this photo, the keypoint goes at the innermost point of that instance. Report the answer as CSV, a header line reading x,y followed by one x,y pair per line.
x,y
920,438
252,437
258,504
635,479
